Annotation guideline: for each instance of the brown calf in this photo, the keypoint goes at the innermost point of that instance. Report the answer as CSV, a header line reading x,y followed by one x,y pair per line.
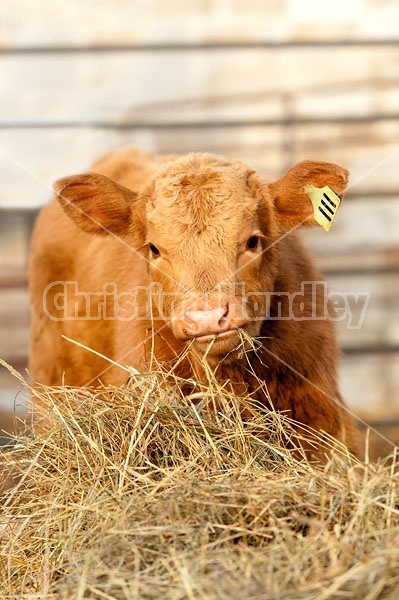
x,y
153,254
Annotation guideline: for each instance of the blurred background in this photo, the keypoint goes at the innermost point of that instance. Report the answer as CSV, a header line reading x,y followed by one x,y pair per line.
x,y
270,82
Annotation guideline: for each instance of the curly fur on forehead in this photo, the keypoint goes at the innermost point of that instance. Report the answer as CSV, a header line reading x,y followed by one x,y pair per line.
x,y
201,192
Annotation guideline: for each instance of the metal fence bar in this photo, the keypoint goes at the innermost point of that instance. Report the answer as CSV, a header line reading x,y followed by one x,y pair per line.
x,y
223,124
202,46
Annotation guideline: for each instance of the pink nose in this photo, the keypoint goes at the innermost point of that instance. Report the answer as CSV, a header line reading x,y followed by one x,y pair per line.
x,y
207,322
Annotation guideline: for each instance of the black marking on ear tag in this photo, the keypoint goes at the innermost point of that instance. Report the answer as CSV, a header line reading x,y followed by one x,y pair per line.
x,y
325,204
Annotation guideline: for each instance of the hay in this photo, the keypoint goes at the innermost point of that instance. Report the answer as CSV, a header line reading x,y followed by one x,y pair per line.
x,y
141,493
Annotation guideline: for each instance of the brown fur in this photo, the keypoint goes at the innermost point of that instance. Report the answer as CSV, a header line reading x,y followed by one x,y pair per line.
x,y
199,211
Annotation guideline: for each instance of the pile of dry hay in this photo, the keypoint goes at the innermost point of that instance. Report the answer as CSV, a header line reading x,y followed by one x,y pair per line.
x,y
142,493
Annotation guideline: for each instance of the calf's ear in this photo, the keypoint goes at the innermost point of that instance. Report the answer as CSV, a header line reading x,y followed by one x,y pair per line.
x,y
99,205
293,205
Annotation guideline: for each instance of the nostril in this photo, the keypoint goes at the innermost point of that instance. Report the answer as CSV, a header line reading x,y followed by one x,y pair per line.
x,y
224,316
190,322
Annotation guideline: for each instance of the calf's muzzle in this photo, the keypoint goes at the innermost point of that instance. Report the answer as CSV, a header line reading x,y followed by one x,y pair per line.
x,y
202,322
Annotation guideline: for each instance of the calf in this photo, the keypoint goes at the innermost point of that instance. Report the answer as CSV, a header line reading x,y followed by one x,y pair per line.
x,y
147,256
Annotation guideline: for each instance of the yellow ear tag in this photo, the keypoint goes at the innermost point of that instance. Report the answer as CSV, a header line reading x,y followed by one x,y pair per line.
x,y
325,204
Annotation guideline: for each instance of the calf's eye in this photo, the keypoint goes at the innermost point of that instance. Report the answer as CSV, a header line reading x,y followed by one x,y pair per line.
x,y
154,250
253,242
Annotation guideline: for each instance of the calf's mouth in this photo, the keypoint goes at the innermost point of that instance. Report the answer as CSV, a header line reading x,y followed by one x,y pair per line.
x,y
219,345
216,336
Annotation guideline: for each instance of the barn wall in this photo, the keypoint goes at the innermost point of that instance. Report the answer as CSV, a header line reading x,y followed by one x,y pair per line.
x,y
268,82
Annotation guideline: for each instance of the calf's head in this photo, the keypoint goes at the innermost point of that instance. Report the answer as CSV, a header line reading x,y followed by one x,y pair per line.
x,y
209,229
